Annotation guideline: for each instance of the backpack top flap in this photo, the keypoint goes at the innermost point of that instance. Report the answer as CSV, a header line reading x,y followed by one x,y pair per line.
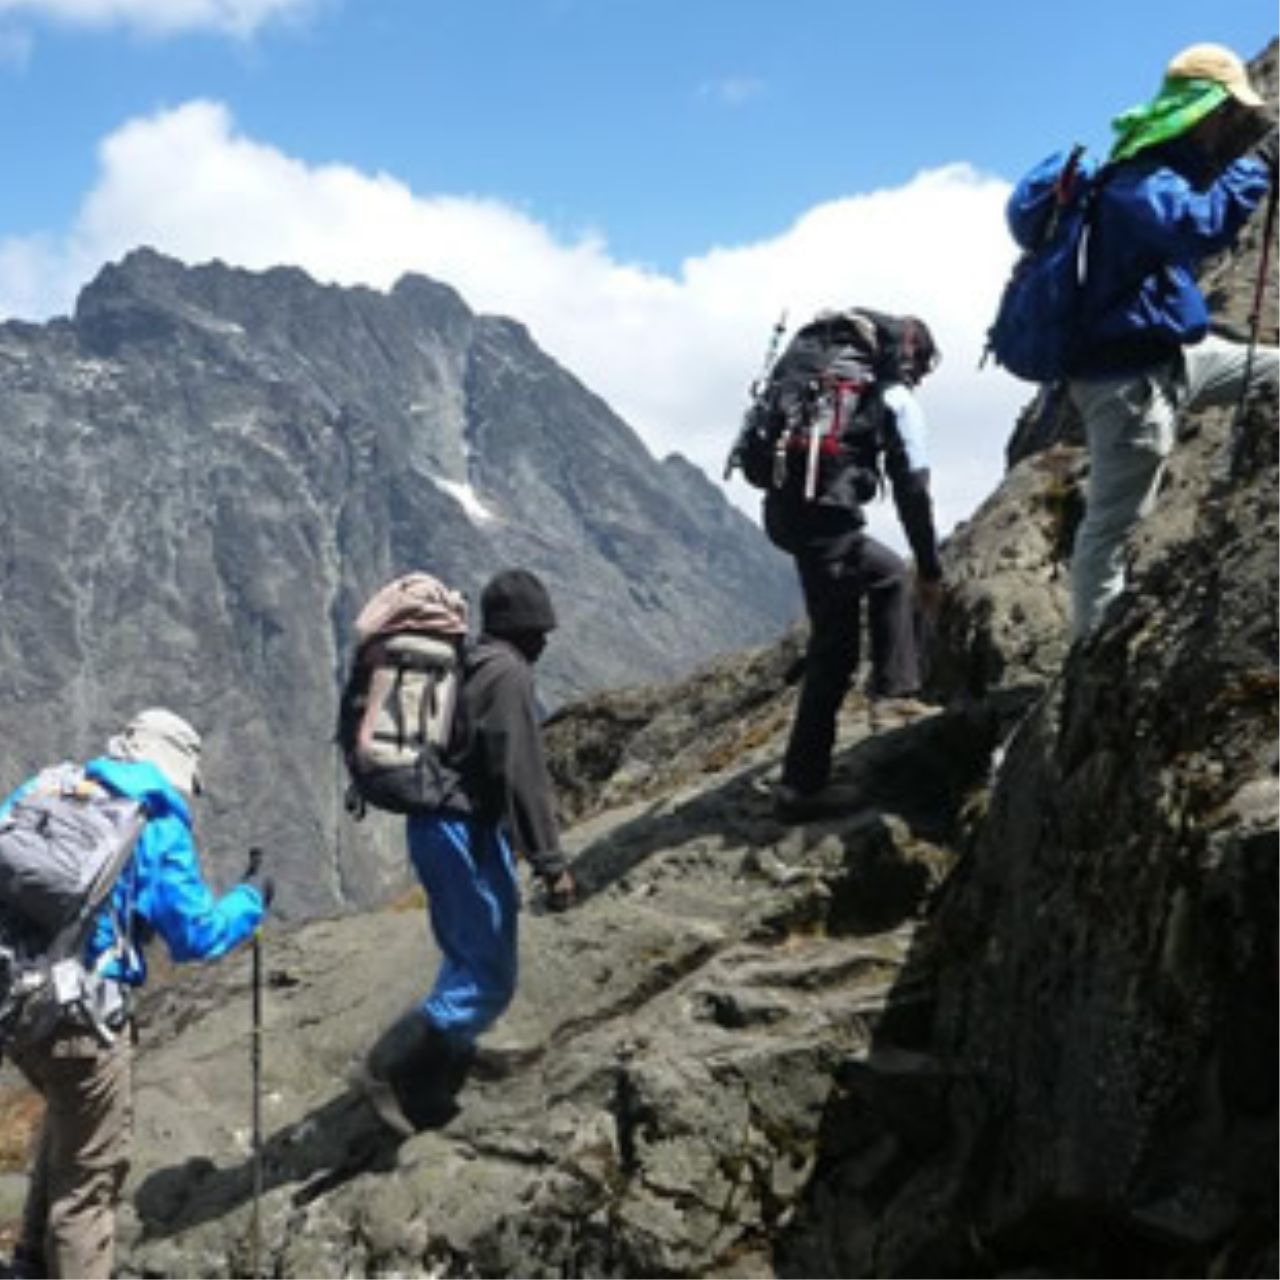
x,y
414,602
1060,181
839,345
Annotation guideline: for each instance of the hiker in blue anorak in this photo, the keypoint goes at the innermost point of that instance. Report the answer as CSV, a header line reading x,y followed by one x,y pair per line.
x,y
82,1150
465,858
1186,171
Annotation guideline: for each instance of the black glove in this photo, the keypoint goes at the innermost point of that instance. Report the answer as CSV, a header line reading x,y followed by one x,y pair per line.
x,y
253,875
1268,149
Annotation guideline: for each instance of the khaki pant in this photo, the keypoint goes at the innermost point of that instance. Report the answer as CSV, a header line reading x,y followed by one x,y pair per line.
x,y
1131,423
81,1153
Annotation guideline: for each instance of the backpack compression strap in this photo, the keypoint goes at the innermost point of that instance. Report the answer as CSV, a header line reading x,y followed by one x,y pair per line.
x,y
73,934
828,442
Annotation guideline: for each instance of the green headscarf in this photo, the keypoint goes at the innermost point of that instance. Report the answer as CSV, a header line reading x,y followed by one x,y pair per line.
x,y
1180,105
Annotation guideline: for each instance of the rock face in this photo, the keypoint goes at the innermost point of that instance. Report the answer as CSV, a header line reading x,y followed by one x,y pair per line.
x,y
1102,1057
205,472
1003,626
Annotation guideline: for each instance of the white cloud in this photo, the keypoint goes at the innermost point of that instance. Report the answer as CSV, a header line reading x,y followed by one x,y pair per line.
x,y
673,354
163,17
732,91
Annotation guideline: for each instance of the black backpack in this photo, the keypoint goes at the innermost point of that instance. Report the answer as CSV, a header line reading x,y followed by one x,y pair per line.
x,y
818,411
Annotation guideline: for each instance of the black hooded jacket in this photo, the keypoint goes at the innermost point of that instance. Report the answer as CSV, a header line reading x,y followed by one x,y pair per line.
x,y
504,766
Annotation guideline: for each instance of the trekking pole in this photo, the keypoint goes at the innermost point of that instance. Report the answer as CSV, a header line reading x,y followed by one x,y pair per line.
x,y
255,1248
757,384
771,352
255,1054
1236,459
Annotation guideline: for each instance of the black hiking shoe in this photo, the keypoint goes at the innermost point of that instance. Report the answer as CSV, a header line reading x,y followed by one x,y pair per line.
x,y
791,805
412,1075
24,1264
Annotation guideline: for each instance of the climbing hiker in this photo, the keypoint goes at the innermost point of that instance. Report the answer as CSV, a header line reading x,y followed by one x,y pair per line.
x,y
1185,172
837,415
464,855
80,1060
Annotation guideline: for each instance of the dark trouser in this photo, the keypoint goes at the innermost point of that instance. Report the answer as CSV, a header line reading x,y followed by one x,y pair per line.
x,y
833,591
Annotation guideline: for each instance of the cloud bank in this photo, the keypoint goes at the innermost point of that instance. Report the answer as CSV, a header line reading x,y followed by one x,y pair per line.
x,y
161,17
672,353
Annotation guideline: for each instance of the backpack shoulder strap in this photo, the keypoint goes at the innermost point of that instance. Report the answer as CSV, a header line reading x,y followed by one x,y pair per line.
x,y
71,937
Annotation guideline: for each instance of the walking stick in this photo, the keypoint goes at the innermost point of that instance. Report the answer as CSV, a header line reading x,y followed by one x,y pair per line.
x,y
1255,320
754,391
255,1254
255,1052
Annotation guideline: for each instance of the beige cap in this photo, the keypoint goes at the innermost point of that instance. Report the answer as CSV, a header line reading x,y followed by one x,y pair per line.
x,y
1217,63
167,741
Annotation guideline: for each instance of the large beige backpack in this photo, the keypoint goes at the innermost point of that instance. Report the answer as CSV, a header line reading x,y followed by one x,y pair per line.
x,y
399,723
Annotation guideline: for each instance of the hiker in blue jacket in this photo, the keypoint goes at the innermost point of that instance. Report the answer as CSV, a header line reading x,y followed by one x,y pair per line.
x,y
465,859
1179,190
81,1155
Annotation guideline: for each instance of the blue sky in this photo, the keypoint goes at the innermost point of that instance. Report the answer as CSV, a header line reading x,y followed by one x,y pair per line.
x,y
645,183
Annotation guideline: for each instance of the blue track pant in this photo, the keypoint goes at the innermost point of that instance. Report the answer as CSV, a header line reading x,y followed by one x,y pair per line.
x,y
473,899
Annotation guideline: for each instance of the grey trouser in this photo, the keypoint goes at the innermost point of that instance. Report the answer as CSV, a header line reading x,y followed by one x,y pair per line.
x,y
81,1153
1131,425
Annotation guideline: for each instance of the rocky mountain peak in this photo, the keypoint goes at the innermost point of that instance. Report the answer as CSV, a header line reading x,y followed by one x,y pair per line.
x,y
243,457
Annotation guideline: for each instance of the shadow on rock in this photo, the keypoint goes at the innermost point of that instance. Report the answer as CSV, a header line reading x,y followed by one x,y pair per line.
x,y
923,773
324,1149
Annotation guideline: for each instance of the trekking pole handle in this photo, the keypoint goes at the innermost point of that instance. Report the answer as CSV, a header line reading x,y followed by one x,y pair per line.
x,y
775,340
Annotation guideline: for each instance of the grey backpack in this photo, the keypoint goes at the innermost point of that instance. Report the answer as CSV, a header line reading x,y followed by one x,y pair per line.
x,y
63,845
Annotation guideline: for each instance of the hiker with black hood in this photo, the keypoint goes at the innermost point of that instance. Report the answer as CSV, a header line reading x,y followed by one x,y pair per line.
x,y
82,1067
1186,171
465,855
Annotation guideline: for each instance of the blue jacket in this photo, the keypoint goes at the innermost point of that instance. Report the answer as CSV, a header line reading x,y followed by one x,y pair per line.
x,y
161,890
1157,217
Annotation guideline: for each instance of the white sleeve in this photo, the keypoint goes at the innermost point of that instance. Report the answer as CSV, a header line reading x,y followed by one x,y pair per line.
x,y
910,420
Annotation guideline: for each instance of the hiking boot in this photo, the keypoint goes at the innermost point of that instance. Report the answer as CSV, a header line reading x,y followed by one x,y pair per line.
x,y
791,805
25,1264
412,1074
